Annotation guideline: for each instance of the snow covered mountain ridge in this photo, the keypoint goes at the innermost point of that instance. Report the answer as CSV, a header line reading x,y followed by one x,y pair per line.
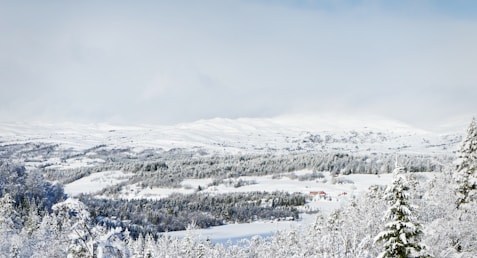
x,y
244,135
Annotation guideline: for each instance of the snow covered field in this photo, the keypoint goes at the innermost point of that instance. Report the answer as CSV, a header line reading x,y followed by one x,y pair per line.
x,y
95,182
233,233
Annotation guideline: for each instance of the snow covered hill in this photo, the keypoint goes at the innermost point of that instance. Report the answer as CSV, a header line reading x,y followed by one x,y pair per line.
x,y
221,136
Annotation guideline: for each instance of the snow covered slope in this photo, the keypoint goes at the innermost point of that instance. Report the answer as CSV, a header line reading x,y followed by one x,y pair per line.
x,y
229,136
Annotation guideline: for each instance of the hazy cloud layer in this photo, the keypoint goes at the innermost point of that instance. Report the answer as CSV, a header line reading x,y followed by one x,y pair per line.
x,y
178,61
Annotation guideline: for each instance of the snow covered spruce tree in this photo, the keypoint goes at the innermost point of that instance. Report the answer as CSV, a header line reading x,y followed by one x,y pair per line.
x,y
10,225
461,236
465,176
402,233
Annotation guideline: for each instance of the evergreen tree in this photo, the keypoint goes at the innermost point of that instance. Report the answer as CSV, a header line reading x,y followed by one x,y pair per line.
x,y
10,225
402,232
466,171
50,239
10,221
74,219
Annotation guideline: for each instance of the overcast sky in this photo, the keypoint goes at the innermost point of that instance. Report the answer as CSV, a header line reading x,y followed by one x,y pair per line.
x,y
166,62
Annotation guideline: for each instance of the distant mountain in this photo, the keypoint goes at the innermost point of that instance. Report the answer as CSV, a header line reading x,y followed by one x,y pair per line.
x,y
231,136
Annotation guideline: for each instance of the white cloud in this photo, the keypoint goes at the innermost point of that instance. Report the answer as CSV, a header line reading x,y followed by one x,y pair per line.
x,y
175,62
158,86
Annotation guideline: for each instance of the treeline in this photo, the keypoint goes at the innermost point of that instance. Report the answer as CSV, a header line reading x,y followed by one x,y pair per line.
x,y
30,150
178,211
170,172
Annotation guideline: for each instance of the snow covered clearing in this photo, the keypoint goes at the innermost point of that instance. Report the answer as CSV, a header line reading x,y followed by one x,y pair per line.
x,y
95,182
233,233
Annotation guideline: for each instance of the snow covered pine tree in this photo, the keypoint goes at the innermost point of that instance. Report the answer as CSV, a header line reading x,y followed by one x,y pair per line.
x,y
402,233
465,174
